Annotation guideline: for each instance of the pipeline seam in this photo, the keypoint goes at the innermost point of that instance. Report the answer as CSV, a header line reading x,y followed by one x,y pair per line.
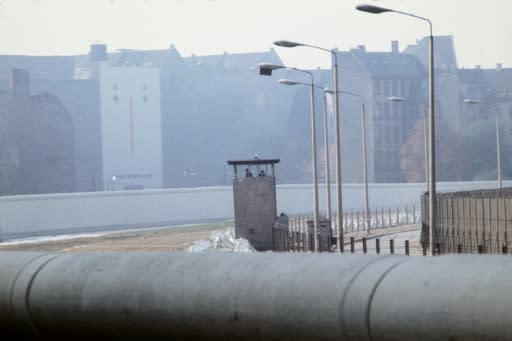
x,y
11,290
347,289
27,294
27,290
372,294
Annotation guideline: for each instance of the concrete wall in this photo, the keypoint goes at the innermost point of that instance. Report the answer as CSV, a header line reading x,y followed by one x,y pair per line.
x,y
64,213
255,210
45,214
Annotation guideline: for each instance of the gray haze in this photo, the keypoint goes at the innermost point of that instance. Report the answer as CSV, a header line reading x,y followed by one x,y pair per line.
x,y
100,118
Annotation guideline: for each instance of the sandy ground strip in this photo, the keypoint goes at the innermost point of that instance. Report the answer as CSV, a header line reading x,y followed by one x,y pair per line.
x,y
178,238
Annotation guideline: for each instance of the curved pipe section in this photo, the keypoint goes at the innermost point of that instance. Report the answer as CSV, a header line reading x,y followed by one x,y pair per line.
x,y
263,296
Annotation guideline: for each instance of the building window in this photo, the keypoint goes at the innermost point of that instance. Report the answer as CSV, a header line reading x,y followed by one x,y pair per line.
x,y
385,87
388,162
387,135
376,88
394,88
396,135
405,88
378,110
378,135
378,160
386,110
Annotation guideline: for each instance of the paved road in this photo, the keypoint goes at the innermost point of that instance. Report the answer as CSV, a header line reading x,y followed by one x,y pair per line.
x,y
398,234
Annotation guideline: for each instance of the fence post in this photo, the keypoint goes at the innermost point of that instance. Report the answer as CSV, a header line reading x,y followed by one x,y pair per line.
x,y
392,246
397,215
406,215
365,249
505,249
352,245
407,248
377,245
480,248
382,217
414,214
273,239
303,237
459,248
389,217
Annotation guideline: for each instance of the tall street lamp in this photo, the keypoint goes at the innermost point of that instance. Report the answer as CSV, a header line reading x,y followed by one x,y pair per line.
x,y
425,134
266,69
327,158
498,139
364,156
339,202
431,141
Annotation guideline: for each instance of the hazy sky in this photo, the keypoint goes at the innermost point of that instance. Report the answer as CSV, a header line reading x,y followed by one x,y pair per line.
x,y
482,30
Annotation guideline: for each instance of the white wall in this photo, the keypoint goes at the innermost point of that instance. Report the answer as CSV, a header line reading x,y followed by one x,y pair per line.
x,y
130,126
44,214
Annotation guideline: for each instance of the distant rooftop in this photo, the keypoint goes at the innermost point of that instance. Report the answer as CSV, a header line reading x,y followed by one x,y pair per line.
x,y
388,64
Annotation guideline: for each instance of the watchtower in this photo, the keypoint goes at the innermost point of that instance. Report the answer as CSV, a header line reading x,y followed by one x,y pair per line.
x,y
254,194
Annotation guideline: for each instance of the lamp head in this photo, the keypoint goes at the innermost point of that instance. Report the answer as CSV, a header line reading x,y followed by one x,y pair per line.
x,y
372,9
266,68
289,82
396,99
287,43
470,101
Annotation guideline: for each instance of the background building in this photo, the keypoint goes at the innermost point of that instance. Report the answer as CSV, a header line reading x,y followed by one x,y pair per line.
x,y
377,76
190,114
130,127
36,134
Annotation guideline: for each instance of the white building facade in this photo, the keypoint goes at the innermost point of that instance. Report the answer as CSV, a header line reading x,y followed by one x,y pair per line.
x,y
130,127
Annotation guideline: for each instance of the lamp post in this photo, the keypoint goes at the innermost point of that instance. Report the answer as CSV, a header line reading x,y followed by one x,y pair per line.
x,y
313,152
266,69
498,139
431,140
425,135
327,159
364,156
339,200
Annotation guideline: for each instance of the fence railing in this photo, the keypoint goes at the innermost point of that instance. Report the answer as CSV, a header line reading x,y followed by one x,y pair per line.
x,y
295,233
472,221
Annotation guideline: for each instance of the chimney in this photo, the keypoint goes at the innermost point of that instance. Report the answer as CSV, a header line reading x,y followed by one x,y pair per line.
x,y
98,53
498,67
361,48
19,83
394,46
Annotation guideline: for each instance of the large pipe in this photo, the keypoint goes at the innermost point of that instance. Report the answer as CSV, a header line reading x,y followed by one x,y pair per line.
x,y
255,296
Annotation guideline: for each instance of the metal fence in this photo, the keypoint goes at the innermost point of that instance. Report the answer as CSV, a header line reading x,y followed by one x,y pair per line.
x,y
295,233
477,221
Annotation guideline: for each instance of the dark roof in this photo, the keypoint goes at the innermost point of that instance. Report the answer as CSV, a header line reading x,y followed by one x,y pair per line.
x,y
153,58
390,65
253,162
501,80
471,75
235,61
444,59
